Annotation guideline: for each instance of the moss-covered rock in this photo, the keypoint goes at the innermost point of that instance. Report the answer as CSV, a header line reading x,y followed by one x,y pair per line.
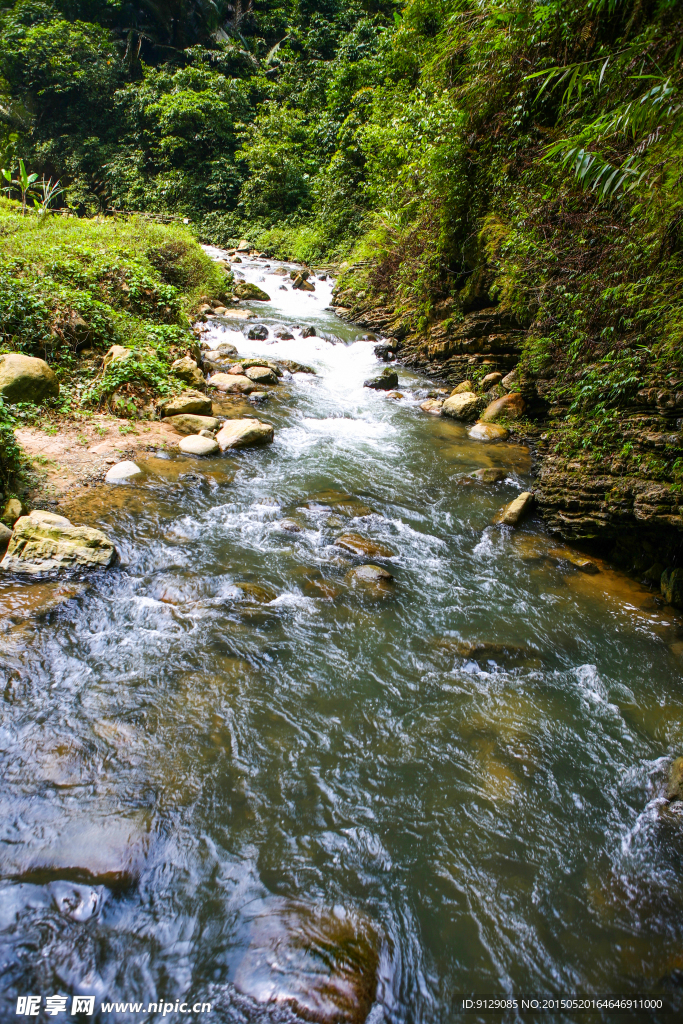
x,y
43,542
26,379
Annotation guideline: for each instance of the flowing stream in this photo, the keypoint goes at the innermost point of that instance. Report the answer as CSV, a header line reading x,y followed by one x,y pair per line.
x,y
230,775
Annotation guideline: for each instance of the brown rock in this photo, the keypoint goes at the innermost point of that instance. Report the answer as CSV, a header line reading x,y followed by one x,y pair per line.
x,y
261,375
43,542
26,379
489,476
509,407
13,510
321,965
674,788
463,387
491,379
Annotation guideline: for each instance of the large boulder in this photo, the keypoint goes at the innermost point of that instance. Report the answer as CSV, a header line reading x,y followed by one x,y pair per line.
x,y
303,284
189,402
188,371
189,424
509,407
261,374
239,433
26,379
463,388
247,290
233,383
43,541
461,407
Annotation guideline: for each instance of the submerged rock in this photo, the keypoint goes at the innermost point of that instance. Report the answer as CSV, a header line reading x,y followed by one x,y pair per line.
x,y
189,424
187,402
308,332
514,512
358,545
26,379
232,383
489,476
290,525
343,504
122,472
321,965
674,786
43,541
462,406
488,432
98,851
372,578
509,407
243,432
483,650
246,290
195,444
433,406
386,381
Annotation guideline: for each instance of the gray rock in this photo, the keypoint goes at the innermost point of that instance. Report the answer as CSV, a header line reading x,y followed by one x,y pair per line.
x,y
195,444
246,290
122,472
308,332
5,536
259,332
261,374
386,381
26,379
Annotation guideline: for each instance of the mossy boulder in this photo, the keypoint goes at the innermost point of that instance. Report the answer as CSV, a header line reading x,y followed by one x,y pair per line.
x,y
672,587
188,402
26,379
461,407
188,371
189,424
43,542
247,290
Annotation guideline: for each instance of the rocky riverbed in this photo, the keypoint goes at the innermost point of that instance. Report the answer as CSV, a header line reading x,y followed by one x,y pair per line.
x,y
340,719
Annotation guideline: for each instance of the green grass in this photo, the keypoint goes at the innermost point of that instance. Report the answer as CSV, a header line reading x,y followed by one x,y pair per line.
x,y
71,288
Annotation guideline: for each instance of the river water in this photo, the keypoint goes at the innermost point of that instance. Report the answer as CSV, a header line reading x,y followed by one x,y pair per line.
x,y
231,775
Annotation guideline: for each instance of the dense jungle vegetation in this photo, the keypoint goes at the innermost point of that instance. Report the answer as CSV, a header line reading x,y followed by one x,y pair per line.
x,y
455,153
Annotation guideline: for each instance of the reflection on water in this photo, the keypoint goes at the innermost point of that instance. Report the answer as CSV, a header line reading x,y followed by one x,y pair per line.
x,y
233,773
